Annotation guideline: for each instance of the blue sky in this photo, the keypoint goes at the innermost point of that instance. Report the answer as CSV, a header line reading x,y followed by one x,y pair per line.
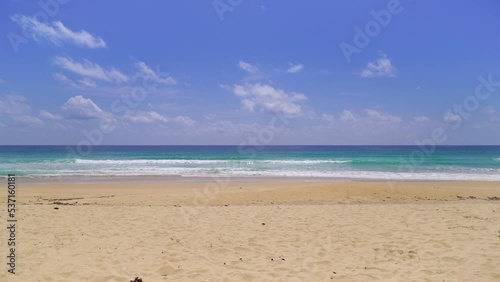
x,y
253,72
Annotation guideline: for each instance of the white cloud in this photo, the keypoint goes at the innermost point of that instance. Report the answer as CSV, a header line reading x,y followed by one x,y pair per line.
x,y
375,115
89,69
82,83
152,117
269,99
221,126
57,33
209,116
46,115
144,71
63,79
451,117
327,117
87,82
490,110
19,111
144,117
492,113
27,120
184,120
371,116
295,68
14,105
421,119
248,104
381,67
347,116
81,108
247,67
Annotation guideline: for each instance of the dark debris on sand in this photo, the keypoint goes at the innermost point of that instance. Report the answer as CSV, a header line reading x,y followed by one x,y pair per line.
x,y
137,279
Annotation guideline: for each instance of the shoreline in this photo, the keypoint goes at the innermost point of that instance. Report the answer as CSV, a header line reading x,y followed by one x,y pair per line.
x,y
228,179
263,192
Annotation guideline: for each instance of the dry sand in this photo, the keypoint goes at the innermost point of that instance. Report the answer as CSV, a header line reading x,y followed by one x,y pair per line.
x,y
444,231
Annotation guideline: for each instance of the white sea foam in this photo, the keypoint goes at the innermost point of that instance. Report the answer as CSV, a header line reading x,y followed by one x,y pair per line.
x,y
308,161
377,175
125,162
243,172
241,168
179,161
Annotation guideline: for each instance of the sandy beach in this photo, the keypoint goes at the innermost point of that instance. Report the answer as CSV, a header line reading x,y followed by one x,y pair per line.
x,y
256,231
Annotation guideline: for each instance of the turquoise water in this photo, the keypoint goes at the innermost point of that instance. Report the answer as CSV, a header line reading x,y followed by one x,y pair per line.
x,y
343,162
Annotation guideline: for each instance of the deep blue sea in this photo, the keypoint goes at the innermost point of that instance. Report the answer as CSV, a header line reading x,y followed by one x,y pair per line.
x,y
342,162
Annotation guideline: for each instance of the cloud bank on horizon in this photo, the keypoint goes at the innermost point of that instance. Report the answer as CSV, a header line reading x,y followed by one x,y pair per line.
x,y
164,79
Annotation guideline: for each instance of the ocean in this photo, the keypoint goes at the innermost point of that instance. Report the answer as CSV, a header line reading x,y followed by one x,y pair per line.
x,y
400,163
